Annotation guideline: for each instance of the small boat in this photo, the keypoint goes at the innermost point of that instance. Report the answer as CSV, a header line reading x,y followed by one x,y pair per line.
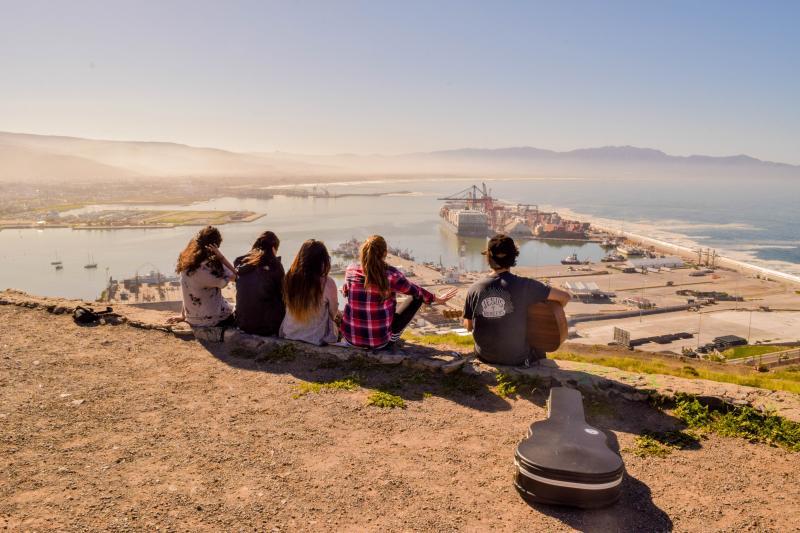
x,y
571,260
630,251
55,263
613,258
608,243
91,263
59,267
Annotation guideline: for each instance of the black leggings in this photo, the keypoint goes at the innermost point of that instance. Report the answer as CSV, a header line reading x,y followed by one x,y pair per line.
x,y
403,314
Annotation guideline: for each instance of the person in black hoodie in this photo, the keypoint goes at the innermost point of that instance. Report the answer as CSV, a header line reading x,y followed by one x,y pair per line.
x,y
259,287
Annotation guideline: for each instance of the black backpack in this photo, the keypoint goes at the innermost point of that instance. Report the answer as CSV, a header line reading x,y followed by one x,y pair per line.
x,y
85,316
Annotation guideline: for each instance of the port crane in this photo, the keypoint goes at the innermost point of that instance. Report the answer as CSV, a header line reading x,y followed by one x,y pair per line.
x,y
480,199
473,197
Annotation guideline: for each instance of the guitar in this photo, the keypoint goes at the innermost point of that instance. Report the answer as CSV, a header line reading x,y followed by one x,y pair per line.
x,y
547,326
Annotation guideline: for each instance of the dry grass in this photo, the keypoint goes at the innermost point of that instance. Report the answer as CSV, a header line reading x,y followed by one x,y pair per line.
x,y
786,381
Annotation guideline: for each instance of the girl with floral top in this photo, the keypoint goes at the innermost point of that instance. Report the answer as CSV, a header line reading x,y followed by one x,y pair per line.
x,y
204,273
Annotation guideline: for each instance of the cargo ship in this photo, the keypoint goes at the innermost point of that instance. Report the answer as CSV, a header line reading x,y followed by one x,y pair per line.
x,y
473,212
465,222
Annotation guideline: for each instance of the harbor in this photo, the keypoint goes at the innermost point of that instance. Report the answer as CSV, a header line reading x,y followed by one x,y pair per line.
x,y
618,279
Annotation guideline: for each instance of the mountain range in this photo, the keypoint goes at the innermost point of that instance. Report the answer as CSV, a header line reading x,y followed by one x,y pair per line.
x,y
53,159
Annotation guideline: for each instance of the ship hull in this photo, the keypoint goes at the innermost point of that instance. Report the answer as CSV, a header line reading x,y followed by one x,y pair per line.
x,y
467,230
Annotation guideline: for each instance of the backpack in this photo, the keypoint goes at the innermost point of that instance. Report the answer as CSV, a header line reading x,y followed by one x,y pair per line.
x,y
85,316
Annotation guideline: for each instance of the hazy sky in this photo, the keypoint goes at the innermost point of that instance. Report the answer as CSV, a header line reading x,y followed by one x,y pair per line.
x,y
695,77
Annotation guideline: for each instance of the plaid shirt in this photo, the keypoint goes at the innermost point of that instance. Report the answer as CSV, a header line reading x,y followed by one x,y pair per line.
x,y
367,318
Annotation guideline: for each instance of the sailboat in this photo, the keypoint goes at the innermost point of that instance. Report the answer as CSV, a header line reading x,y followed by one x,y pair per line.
x,y
91,263
57,262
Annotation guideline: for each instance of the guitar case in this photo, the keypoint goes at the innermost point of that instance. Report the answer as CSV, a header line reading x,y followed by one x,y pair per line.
x,y
565,461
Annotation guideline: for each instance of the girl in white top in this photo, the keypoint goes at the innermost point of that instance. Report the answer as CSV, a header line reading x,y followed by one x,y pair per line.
x,y
311,298
204,273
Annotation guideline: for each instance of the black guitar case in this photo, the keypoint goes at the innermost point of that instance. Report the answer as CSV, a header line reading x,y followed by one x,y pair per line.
x,y
564,460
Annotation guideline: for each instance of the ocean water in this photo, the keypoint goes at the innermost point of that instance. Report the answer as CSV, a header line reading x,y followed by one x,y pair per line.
x,y
756,221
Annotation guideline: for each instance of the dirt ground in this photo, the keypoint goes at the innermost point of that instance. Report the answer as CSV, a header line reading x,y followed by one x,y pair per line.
x,y
115,428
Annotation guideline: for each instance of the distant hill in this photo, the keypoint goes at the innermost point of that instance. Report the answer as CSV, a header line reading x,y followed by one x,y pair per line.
x,y
526,161
54,158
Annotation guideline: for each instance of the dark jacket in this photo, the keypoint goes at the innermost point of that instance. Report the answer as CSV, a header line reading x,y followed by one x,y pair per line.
x,y
259,296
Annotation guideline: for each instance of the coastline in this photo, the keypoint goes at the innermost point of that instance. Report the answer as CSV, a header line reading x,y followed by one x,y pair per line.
x,y
245,220
685,251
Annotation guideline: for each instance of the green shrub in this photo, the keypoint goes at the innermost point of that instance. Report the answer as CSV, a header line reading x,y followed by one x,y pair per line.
x,y
647,446
744,422
460,382
509,385
349,383
445,339
662,443
690,371
279,352
386,400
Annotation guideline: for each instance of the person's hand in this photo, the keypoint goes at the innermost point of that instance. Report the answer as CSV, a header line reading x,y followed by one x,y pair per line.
x,y
215,251
175,319
440,299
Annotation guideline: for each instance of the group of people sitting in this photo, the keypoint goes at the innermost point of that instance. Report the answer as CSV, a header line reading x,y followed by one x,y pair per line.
x,y
303,304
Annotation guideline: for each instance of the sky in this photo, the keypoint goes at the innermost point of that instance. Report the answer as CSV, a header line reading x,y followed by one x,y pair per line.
x,y
717,78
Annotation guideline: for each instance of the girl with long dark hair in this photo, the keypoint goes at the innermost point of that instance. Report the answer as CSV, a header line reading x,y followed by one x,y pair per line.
x,y
204,273
259,287
310,295
372,318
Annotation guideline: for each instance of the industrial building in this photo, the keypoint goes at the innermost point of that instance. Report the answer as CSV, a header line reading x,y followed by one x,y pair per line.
x,y
586,291
656,263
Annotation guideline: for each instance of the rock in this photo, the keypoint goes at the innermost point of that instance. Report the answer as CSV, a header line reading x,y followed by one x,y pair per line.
x,y
634,396
604,384
77,402
712,402
208,334
386,358
248,342
230,335
452,366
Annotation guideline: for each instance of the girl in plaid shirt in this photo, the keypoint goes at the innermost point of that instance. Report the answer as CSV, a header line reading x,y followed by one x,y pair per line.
x,y
372,318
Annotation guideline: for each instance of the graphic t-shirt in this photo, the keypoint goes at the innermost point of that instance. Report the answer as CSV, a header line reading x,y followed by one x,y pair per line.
x,y
498,308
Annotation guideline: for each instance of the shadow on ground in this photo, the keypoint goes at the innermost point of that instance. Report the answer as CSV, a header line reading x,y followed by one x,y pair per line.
x,y
407,383
635,510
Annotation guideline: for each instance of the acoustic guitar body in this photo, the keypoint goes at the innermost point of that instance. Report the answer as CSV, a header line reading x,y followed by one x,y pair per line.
x,y
547,326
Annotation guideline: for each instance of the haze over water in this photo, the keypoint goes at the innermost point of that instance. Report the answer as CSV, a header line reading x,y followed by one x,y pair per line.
x,y
730,216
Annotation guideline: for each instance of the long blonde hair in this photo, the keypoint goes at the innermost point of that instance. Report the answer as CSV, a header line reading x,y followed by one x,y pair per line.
x,y
373,263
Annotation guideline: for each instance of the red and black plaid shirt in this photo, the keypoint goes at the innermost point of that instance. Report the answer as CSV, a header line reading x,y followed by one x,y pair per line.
x,y
367,317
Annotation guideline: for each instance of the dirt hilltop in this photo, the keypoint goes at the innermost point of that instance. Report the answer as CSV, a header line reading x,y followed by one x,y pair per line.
x,y
118,428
